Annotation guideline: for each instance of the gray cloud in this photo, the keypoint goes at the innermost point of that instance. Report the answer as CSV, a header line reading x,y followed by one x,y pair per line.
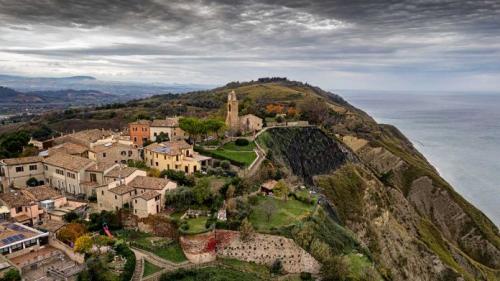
x,y
330,43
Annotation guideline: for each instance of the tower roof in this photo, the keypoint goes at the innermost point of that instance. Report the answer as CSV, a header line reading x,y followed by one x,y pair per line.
x,y
232,96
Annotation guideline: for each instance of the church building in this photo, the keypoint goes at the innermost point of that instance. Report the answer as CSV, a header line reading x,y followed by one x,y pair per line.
x,y
235,123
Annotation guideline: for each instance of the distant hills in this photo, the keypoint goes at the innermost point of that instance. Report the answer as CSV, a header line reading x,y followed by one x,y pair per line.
x,y
8,95
125,90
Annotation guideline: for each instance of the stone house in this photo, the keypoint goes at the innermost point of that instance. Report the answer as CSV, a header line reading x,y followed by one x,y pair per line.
x,y
16,171
139,131
23,209
147,203
268,187
70,148
88,138
250,123
120,194
66,172
168,126
114,152
175,155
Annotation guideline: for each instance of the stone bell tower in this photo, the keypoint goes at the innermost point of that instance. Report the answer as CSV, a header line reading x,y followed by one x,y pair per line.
x,y
232,119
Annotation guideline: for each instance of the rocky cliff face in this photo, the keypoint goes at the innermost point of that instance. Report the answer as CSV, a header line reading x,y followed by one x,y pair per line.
x,y
413,223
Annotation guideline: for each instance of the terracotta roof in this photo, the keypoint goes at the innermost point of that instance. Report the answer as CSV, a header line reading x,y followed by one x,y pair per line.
x,y
269,185
101,166
16,199
148,183
168,122
121,189
22,160
91,135
114,145
169,147
148,195
68,148
141,122
125,172
42,192
69,162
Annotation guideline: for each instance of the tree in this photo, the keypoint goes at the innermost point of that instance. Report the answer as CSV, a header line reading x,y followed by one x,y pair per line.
x,y
269,208
230,191
314,110
193,126
214,126
11,275
281,190
83,244
70,217
335,269
277,267
32,182
202,191
70,232
162,137
246,230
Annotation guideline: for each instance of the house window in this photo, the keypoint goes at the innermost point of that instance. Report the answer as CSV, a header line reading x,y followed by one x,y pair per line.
x,y
156,134
123,153
60,172
102,192
71,175
104,155
19,169
116,197
164,157
135,201
33,167
19,209
130,153
177,158
46,167
156,164
186,169
93,177
194,169
135,139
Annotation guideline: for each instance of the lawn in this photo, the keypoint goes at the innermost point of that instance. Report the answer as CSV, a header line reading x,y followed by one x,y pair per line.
x,y
150,268
244,157
168,251
196,225
285,213
233,147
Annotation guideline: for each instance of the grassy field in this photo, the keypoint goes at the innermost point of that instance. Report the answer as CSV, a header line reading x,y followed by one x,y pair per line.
x,y
233,147
229,269
197,225
285,213
150,268
171,252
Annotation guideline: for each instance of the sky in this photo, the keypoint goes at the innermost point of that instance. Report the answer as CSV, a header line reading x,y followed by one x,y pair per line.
x,y
438,45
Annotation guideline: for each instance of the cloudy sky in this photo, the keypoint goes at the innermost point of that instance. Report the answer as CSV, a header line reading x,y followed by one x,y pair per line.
x,y
336,44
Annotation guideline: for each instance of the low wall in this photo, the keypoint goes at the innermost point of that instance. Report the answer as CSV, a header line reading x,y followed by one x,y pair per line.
x,y
261,249
199,248
266,249
79,258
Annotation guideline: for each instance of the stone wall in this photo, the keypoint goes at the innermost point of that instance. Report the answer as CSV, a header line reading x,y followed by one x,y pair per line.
x,y
199,248
261,249
77,257
265,249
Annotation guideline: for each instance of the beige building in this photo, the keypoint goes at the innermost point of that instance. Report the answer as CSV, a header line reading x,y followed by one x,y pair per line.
x,y
174,155
70,148
244,124
168,126
16,171
147,203
88,138
66,172
120,194
114,152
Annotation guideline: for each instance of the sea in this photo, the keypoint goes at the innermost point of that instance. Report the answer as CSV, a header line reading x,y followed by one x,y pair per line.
x,y
458,133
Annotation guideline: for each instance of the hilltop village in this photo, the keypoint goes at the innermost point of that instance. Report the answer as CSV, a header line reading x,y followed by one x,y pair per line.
x,y
159,196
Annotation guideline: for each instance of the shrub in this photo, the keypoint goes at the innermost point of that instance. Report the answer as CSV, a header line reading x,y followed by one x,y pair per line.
x,y
11,275
70,217
242,142
225,164
179,177
277,267
335,269
32,182
128,270
306,276
253,200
